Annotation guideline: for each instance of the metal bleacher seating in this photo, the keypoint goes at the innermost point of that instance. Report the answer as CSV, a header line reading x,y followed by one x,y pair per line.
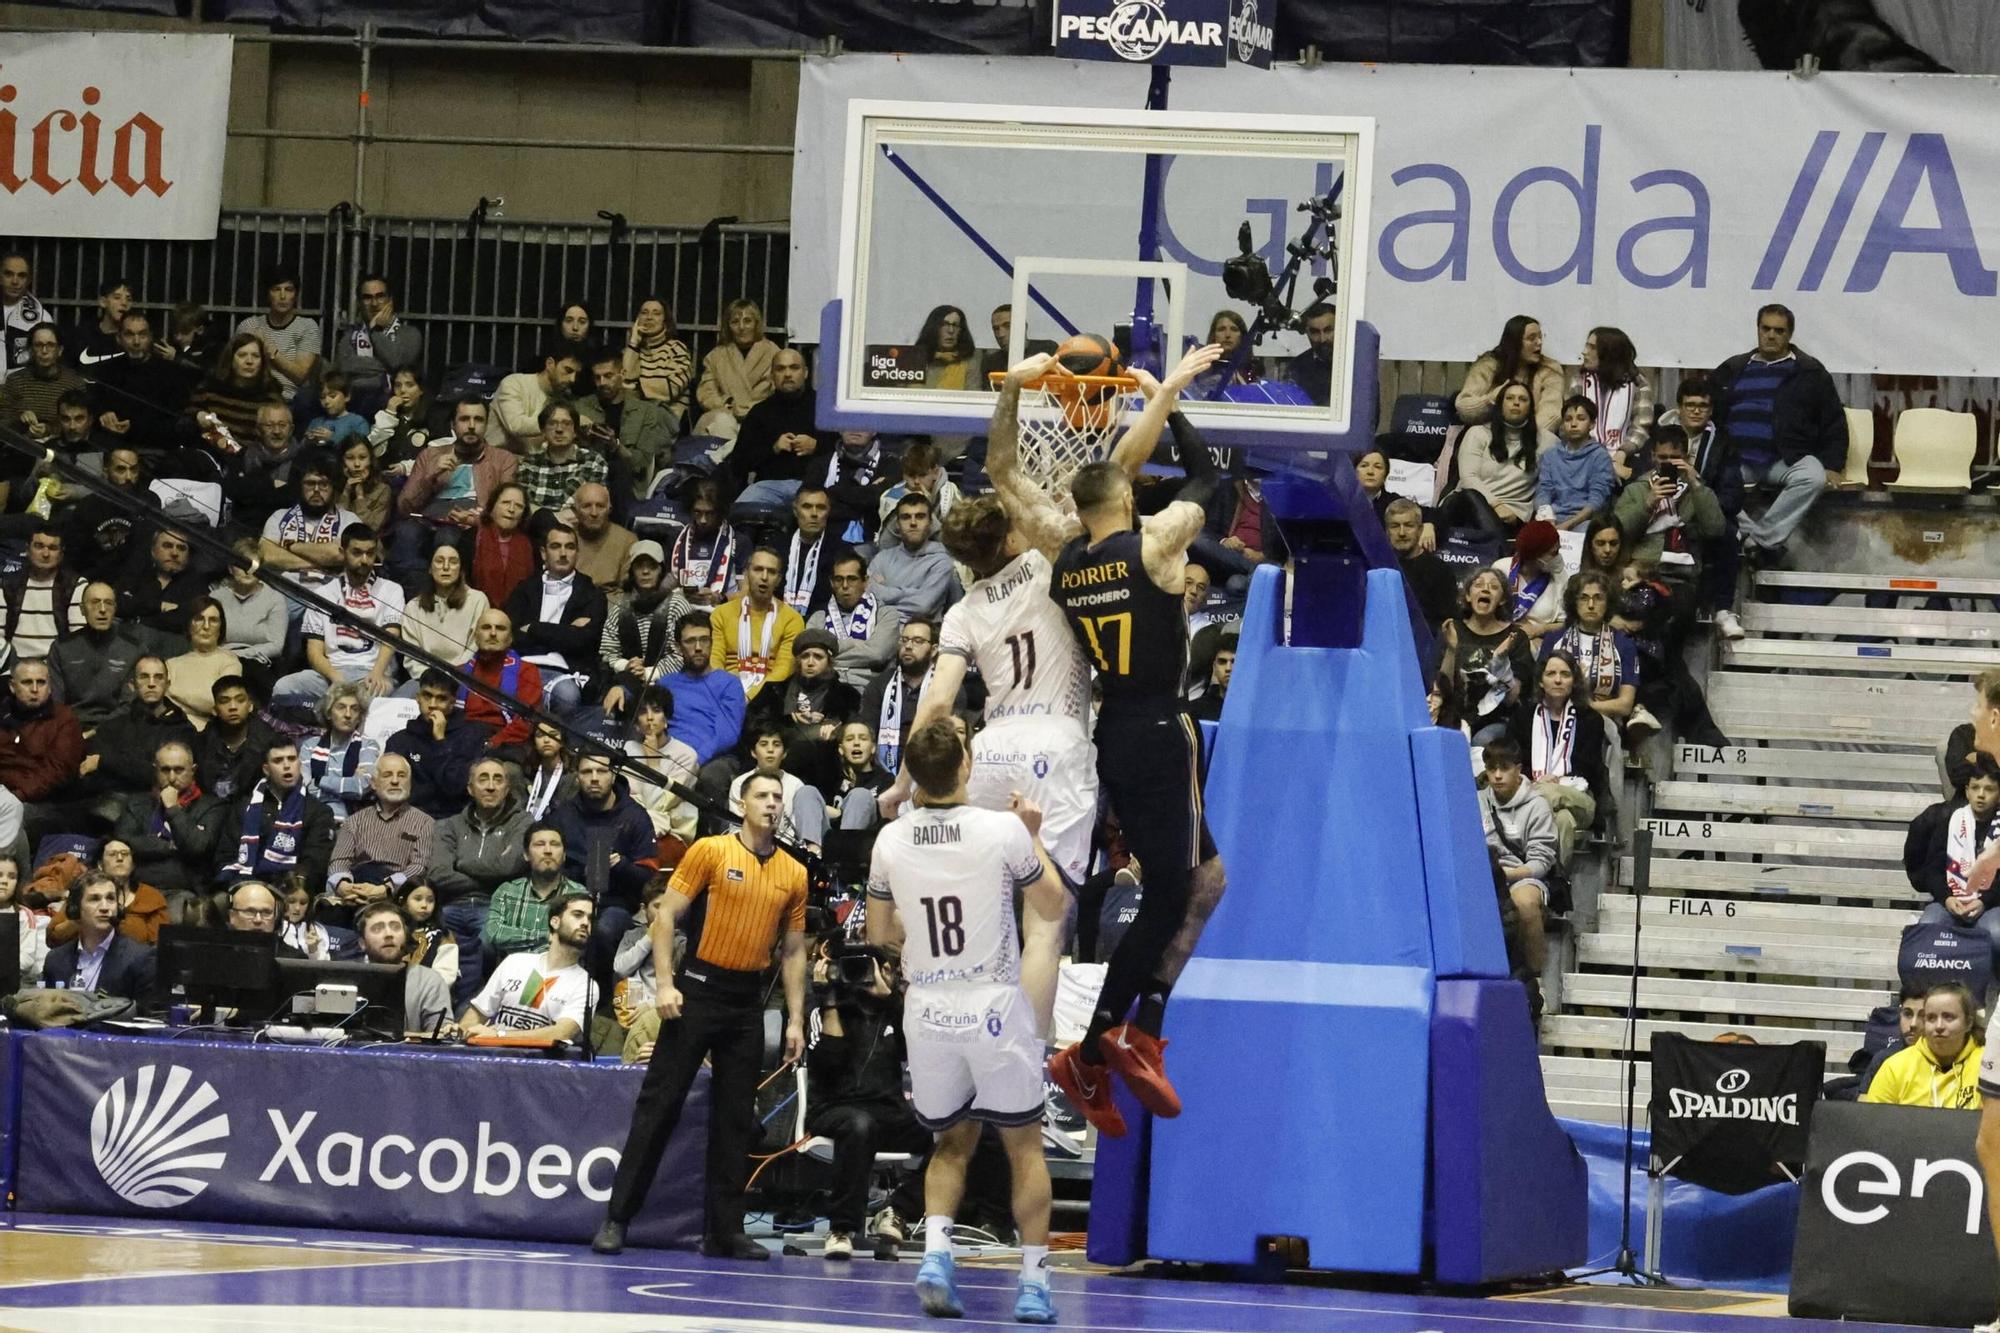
x,y
1776,892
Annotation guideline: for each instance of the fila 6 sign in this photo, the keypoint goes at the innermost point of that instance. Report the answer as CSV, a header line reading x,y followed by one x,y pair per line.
x,y
116,134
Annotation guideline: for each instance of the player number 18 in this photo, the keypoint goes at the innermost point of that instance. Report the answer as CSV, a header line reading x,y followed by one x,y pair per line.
x,y
945,919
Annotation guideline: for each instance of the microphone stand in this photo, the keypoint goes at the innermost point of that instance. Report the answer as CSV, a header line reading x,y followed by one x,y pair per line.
x,y
1627,1263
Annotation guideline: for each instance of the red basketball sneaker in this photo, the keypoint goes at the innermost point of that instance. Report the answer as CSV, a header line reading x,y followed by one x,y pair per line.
x,y
1088,1088
1140,1059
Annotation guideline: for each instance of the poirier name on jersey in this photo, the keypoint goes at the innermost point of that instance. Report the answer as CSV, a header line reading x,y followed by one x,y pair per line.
x,y
952,871
1009,627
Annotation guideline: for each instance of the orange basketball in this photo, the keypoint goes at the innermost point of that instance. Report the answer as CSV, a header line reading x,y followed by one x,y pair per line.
x,y
1088,354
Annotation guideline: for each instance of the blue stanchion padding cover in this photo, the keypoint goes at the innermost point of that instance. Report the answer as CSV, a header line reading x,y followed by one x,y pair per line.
x,y
1119,1182
1708,1238
1300,1031
1509,1190
1466,939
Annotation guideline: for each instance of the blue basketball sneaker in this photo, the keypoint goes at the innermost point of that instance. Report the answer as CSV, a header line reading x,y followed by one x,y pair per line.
x,y
936,1289
1033,1306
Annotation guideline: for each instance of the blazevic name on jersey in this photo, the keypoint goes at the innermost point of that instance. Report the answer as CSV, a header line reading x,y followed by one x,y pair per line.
x,y
1131,629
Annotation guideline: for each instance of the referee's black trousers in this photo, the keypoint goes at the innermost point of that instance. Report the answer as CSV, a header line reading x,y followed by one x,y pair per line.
x,y
725,1025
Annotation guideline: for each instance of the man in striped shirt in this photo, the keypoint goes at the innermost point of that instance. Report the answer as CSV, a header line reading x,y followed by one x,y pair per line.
x,y
1784,414
713,1009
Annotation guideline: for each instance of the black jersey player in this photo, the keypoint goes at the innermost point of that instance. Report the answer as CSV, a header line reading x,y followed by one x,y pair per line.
x,y
1120,586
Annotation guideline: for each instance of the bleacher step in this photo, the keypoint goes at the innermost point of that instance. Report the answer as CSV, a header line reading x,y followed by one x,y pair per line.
x,y
1850,621
1901,585
1778,882
1743,798
1748,955
1753,921
1815,765
1586,1033
1754,706
1816,842
1610,990
1894,658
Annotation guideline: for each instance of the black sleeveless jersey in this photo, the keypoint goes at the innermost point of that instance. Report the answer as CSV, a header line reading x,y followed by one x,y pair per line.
x,y
1132,631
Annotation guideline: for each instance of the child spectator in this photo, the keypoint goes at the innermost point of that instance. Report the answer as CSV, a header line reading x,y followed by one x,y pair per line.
x,y
1945,840
1521,829
1576,480
335,425
299,930
431,944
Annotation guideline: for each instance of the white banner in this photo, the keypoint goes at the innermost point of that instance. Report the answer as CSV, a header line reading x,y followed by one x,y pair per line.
x,y
112,134
1668,204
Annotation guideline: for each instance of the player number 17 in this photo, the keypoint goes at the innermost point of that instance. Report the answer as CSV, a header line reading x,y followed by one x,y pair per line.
x,y
1101,629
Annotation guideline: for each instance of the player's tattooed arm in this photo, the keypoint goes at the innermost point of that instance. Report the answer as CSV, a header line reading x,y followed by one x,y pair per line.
x,y
1135,447
1164,539
1040,521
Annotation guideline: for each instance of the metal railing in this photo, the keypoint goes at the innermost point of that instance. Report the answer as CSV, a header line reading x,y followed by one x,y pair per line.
x,y
485,293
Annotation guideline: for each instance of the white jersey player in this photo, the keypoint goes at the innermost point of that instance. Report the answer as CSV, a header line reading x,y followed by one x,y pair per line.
x,y
942,885
1037,735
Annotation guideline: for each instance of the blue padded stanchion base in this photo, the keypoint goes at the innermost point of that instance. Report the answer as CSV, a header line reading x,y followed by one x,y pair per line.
x,y
1509,1189
1300,1031
1466,940
1118,1186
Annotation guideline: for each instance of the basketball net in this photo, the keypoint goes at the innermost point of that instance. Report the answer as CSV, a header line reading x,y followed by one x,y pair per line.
x,y
1067,421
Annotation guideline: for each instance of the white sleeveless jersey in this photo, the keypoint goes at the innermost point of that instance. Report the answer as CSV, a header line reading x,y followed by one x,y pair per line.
x,y
1013,632
952,872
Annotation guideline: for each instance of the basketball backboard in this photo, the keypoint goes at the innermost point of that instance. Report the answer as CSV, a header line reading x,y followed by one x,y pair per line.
x,y
1094,221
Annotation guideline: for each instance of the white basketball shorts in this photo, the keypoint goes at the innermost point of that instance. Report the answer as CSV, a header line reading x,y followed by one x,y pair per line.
x,y
974,1053
1055,766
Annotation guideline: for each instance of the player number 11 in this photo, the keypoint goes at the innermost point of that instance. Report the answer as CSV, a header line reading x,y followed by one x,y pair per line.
x,y
1100,628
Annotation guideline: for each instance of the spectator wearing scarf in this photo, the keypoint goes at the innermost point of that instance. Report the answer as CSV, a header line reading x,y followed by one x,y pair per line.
x,y
278,829
340,760
890,703
854,479
753,631
864,631
1563,744
640,627
1534,589
495,663
1946,840
703,561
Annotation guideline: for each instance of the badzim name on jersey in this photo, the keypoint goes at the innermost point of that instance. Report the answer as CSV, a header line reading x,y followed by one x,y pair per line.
x,y
935,835
1084,578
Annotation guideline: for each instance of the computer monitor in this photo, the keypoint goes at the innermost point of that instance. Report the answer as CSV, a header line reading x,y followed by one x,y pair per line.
x,y
381,987
217,969
11,979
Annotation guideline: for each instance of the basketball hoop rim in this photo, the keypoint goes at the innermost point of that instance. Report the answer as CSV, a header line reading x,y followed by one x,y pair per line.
x,y
1128,383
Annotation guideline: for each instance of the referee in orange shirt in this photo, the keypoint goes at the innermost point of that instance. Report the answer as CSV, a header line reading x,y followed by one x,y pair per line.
x,y
714,1009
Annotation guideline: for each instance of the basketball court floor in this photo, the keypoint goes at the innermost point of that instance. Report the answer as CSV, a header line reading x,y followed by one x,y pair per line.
x,y
61,1274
